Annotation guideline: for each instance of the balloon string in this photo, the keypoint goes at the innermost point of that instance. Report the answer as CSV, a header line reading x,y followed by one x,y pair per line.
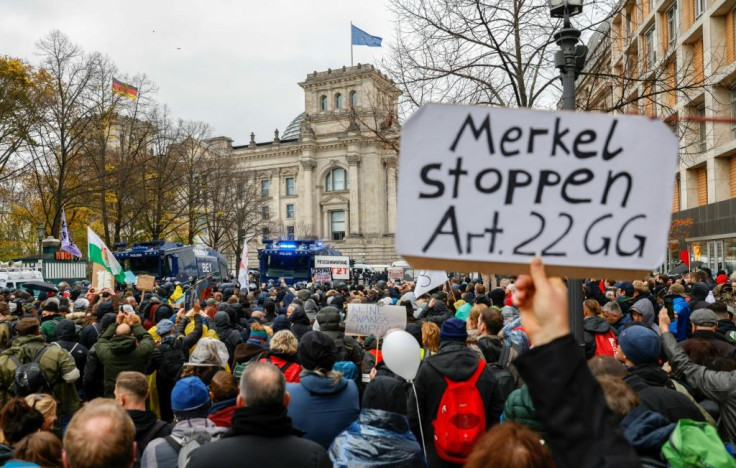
x,y
419,416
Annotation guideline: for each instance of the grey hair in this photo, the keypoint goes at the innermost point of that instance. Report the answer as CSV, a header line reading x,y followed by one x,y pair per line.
x,y
613,308
262,384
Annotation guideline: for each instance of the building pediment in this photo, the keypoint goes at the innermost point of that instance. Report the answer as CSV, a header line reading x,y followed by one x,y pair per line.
x,y
334,200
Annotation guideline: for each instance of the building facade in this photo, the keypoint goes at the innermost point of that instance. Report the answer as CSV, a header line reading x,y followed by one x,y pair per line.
x,y
676,60
332,174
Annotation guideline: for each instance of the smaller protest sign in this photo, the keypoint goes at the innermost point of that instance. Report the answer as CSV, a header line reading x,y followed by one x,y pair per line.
x,y
427,280
145,283
395,273
339,266
101,278
321,275
3,279
374,319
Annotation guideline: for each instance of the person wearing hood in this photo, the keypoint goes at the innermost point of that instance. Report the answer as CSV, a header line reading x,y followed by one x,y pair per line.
x,y
381,435
131,391
323,403
93,372
125,347
227,333
300,323
190,401
348,349
262,433
437,310
223,392
66,338
639,350
642,312
597,329
698,294
458,363
283,354
310,307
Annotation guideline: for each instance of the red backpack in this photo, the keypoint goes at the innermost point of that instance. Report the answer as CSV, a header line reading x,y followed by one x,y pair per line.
x,y
606,344
461,418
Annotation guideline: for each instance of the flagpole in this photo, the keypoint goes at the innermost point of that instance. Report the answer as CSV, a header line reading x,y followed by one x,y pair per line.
x,y
351,43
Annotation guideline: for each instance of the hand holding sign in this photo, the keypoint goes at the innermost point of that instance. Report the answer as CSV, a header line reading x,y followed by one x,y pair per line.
x,y
498,186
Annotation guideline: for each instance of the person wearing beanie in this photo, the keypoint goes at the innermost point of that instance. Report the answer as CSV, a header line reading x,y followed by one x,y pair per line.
x,y
281,322
323,403
639,349
262,432
191,402
50,317
457,362
383,426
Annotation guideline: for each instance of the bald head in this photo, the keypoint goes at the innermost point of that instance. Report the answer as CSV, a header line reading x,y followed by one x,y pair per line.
x,y
263,385
100,434
123,329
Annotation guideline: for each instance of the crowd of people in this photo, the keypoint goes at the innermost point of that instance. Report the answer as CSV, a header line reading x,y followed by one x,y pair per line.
x,y
268,377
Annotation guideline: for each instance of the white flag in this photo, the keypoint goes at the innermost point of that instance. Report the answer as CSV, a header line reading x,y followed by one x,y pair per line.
x,y
243,270
426,280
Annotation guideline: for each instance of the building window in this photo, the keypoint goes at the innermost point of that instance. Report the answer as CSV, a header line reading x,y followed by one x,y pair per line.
x,y
265,186
338,101
289,186
701,127
265,212
337,225
701,175
290,232
353,99
672,24
265,232
628,25
323,103
290,211
732,97
699,7
336,180
650,37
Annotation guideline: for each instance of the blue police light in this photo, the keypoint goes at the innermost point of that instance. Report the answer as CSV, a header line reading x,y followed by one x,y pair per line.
x,y
287,246
319,244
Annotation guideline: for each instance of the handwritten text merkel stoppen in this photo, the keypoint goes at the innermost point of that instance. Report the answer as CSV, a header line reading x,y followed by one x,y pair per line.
x,y
582,185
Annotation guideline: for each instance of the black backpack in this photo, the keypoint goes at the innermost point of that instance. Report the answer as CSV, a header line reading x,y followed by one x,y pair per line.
x,y
503,377
29,377
173,358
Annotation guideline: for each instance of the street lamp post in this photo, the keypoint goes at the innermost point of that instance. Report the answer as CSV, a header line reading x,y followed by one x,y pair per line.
x,y
41,230
570,60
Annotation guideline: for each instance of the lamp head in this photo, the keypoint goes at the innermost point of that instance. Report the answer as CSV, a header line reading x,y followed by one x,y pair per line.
x,y
557,8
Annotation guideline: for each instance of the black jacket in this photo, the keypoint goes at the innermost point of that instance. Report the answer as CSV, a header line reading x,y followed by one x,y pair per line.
x,y
300,324
581,430
66,338
657,393
456,362
89,335
437,313
261,437
147,429
718,341
725,328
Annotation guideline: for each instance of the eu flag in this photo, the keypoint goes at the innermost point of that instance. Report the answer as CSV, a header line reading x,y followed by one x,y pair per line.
x,y
361,37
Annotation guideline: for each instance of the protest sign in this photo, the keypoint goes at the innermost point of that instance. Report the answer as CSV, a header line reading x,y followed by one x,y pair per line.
x,y
489,188
395,273
4,279
145,283
101,278
427,280
321,275
339,266
374,319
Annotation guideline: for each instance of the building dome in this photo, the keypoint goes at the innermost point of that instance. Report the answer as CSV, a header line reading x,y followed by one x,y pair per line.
x,y
293,130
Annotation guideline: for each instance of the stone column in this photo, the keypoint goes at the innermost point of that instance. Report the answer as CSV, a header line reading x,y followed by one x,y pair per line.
x,y
353,159
391,166
307,216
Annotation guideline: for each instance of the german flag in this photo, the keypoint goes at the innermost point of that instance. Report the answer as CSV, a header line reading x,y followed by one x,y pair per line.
x,y
124,89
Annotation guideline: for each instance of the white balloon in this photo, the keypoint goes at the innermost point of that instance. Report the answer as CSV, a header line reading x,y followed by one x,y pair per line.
x,y
401,354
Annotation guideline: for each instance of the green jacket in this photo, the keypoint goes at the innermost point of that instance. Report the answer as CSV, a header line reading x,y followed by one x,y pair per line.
x,y
58,367
520,408
118,353
48,328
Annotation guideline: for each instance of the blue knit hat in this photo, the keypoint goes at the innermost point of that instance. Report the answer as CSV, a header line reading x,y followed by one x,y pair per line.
x,y
453,330
281,322
640,344
189,393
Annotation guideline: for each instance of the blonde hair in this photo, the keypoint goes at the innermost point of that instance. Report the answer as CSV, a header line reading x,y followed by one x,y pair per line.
x,y
474,314
284,342
431,336
44,404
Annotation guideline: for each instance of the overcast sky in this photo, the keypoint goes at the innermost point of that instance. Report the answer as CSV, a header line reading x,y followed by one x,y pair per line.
x,y
239,61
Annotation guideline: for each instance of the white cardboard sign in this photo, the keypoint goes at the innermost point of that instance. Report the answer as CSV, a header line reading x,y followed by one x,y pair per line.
x,y
488,187
339,266
374,319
